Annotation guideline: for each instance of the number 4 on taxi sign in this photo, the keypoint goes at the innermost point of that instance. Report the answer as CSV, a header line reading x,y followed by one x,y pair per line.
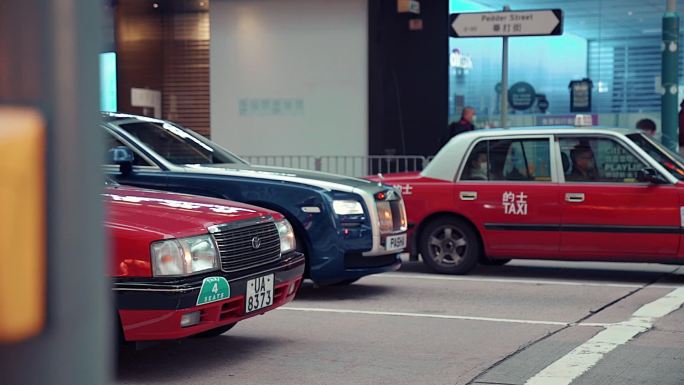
x,y
22,222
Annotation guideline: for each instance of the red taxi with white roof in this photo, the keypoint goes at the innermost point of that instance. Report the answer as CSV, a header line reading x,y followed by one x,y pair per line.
x,y
561,193
184,265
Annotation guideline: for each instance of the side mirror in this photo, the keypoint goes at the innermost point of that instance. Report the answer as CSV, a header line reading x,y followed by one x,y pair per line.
x,y
649,175
124,157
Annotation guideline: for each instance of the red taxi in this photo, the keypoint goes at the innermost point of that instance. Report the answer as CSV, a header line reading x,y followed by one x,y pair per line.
x,y
184,265
545,193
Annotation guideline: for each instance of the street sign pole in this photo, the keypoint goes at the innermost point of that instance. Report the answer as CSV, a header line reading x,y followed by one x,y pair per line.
x,y
504,79
504,84
670,82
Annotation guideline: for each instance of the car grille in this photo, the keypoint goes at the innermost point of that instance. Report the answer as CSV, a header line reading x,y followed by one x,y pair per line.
x,y
392,216
237,250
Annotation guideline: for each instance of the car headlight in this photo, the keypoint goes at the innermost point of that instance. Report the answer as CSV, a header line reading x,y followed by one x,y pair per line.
x,y
385,216
347,207
184,256
287,236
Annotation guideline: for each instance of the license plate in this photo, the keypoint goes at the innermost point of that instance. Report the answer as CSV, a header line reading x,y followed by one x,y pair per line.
x,y
259,293
395,242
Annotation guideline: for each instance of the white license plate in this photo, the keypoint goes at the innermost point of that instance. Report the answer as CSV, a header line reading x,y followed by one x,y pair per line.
x,y
395,242
259,293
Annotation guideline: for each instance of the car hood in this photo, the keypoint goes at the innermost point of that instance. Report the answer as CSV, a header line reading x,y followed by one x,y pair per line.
x,y
169,215
314,178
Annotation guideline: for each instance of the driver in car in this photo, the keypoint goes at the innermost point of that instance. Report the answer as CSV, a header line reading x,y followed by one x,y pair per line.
x,y
583,164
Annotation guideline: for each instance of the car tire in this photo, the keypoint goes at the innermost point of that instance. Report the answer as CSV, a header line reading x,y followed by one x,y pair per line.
x,y
215,332
449,246
494,262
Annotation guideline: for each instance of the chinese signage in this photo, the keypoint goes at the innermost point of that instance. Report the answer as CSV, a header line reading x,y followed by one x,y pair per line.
x,y
514,204
271,107
404,189
507,23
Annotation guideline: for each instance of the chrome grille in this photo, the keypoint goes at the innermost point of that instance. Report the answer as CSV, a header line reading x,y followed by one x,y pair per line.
x,y
398,215
235,244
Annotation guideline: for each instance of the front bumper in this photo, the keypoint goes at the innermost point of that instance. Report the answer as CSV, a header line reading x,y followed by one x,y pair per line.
x,y
352,265
152,310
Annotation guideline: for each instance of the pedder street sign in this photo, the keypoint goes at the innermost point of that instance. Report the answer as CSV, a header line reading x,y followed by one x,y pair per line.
x,y
507,23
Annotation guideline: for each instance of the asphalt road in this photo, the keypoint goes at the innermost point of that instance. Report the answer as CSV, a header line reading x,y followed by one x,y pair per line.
x,y
527,322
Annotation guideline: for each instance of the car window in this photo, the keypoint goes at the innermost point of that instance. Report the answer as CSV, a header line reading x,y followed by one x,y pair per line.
x,y
178,145
672,161
113,142
596,160
509,160
476,167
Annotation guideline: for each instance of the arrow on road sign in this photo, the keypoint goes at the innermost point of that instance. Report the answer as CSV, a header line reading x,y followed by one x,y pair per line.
x,y
508,23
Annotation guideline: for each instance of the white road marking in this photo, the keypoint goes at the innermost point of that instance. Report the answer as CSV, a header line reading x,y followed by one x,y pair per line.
x,y
587,355
440,316
512,280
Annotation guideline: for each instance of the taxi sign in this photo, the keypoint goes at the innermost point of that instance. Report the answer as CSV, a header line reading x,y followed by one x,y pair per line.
x,y
22,224
583,121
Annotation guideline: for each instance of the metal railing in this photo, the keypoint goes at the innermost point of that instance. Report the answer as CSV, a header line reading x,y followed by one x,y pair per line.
x,y
350,165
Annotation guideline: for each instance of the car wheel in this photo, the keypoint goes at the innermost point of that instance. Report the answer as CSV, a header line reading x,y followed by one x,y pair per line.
x,y
450,246
215,332
494,262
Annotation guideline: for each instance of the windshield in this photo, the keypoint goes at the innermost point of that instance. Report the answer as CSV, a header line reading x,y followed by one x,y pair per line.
x,y
672,161
178,145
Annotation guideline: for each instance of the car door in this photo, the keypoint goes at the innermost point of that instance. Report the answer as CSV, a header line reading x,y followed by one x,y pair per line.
x,y
606,212
513,199
146,173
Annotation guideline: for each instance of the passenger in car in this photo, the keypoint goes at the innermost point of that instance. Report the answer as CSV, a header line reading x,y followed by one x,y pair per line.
x,y
477,167
583,164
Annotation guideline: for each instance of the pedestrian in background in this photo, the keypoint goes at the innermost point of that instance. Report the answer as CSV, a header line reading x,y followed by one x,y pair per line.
x,y
648,127
463,125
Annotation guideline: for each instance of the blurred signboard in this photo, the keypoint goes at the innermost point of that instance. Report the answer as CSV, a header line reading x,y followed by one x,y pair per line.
x,y
580,95
507,23
142,97
521,96
562,120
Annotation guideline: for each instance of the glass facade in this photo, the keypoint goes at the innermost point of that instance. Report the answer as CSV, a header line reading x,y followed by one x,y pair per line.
x,y
613,47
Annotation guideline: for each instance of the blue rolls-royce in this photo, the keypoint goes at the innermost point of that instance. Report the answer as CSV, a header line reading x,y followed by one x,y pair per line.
x,y
347,227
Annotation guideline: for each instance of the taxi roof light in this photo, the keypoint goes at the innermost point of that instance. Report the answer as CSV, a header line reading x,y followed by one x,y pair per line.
x,y
583,120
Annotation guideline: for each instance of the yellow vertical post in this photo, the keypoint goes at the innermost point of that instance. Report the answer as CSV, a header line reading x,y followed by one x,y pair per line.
x,y
22,223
